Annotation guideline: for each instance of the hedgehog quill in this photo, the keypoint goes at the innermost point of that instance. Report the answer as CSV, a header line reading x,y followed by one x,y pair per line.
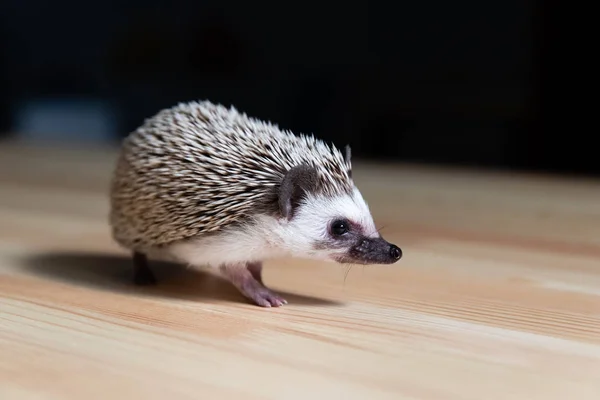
x,y
209,186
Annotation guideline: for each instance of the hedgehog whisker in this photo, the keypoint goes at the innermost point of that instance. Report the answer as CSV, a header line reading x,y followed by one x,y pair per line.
x,y
346,273
346,269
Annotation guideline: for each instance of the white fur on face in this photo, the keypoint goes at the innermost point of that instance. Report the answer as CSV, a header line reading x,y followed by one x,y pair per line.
x,y
269,237
311,222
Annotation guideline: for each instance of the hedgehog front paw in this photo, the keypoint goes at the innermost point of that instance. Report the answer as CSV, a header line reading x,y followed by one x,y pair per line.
x,y
261,295
248,280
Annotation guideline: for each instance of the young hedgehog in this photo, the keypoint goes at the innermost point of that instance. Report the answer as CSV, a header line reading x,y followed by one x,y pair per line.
x,y
209,186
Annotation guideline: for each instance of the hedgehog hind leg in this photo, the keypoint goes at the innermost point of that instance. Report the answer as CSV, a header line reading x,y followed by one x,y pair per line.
x,y
247,278
142,274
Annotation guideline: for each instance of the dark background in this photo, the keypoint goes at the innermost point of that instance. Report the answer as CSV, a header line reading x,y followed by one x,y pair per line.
x,y
463,82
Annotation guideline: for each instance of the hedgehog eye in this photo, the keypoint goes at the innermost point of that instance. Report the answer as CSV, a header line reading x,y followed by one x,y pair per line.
x,y
339,227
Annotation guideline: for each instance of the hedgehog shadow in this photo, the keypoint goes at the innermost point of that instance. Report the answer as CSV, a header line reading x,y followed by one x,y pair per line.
x,y
114,273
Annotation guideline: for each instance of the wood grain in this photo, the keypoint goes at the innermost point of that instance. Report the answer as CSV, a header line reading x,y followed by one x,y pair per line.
x,y
497,297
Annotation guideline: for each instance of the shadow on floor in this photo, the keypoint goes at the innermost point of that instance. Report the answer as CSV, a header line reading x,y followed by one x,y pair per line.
x,y
114,273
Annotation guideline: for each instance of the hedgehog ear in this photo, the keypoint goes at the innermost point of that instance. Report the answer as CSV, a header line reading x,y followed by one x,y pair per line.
x,y
298,181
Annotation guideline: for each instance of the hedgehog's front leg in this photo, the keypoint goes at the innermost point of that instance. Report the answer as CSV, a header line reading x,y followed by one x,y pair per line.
x,y
247,278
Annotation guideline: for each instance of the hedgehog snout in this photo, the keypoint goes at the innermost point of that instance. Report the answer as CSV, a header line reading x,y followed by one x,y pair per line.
x,y
373,251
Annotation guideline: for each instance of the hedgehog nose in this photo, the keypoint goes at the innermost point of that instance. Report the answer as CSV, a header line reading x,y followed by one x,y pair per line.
x,y
395,252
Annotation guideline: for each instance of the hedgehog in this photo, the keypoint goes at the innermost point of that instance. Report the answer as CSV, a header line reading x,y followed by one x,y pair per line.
x,y
211,187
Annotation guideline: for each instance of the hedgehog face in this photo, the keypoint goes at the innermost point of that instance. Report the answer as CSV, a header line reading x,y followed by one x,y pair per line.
x,y
339,229
344,231
316,224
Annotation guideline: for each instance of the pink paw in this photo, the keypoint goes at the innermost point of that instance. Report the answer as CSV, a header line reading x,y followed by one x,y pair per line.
x,y
261,295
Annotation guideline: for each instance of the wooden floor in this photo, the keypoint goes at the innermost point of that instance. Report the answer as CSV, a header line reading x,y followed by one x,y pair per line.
x,y
497,297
